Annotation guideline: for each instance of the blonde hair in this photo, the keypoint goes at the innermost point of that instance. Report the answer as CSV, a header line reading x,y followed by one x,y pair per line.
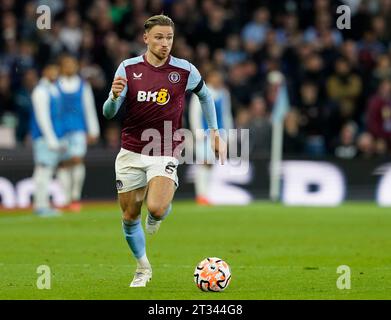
x,y
158,20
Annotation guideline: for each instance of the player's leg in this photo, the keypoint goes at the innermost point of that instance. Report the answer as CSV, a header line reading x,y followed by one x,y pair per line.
x,y
78,174
64,171
45,162
78,151
160,194
131,203
71,173
63,175
42,177
201,181
131,184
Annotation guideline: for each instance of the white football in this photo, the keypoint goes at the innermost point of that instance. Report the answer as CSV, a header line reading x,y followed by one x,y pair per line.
x,y
212,274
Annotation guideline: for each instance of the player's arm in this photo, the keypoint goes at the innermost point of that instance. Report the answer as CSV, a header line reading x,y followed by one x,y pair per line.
x,y
197,85
41,107
91,117
117,93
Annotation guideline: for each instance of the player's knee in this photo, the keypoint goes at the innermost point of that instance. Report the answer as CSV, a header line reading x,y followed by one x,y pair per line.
x,y
129,216
157,210
77,160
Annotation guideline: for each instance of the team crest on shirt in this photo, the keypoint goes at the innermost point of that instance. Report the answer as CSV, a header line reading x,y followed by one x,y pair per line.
x,y
174,77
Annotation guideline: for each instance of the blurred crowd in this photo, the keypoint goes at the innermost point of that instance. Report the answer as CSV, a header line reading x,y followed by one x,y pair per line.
x,y
339,81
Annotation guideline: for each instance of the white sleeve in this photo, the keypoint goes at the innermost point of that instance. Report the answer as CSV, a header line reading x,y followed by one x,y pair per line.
x,y
111,107
90,115
41,107
121,72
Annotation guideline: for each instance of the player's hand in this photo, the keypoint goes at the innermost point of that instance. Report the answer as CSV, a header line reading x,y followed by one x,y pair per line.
x,y
219,146
92,140
53,145
117,86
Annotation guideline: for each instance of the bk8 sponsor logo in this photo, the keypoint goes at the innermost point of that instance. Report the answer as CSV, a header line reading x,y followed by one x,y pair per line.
x,y
161,97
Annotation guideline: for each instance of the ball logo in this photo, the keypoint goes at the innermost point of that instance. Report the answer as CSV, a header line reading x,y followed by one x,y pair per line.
x,y
174,77
161,97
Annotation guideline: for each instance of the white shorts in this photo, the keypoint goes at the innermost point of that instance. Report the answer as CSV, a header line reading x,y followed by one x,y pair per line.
x,y
45,156
134,170
77,145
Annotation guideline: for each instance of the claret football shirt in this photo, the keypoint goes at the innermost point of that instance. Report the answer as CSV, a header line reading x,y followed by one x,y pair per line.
x,y
154,103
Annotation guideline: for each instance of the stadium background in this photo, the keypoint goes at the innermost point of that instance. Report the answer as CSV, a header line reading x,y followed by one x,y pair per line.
x,y
337,81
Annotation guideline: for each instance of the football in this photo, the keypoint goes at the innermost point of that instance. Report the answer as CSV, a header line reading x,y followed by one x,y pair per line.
x,y
212,274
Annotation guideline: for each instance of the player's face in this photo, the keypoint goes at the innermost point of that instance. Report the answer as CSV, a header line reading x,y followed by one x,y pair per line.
x,y
159,40
51,73
215,80
69,66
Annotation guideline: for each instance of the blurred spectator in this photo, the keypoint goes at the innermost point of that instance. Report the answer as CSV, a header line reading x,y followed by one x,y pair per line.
x,y
323,25
379,117
118,10
366,145
330,73
294,139
24,104
214,29
260,128
112,136
312,69
7,104
240,85
51,45
344,88
254,32
381,72
9,26
379,29
71,33
233,53
369,48
289,34
312,120
346,145
28,25
242,118
349,51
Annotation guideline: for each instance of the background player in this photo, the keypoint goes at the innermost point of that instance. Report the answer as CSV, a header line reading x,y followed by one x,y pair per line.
x,y
152,88
47,132
222,100
81,127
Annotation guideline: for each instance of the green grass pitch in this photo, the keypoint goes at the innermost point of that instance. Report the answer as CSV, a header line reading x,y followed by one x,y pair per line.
x,y
275,252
